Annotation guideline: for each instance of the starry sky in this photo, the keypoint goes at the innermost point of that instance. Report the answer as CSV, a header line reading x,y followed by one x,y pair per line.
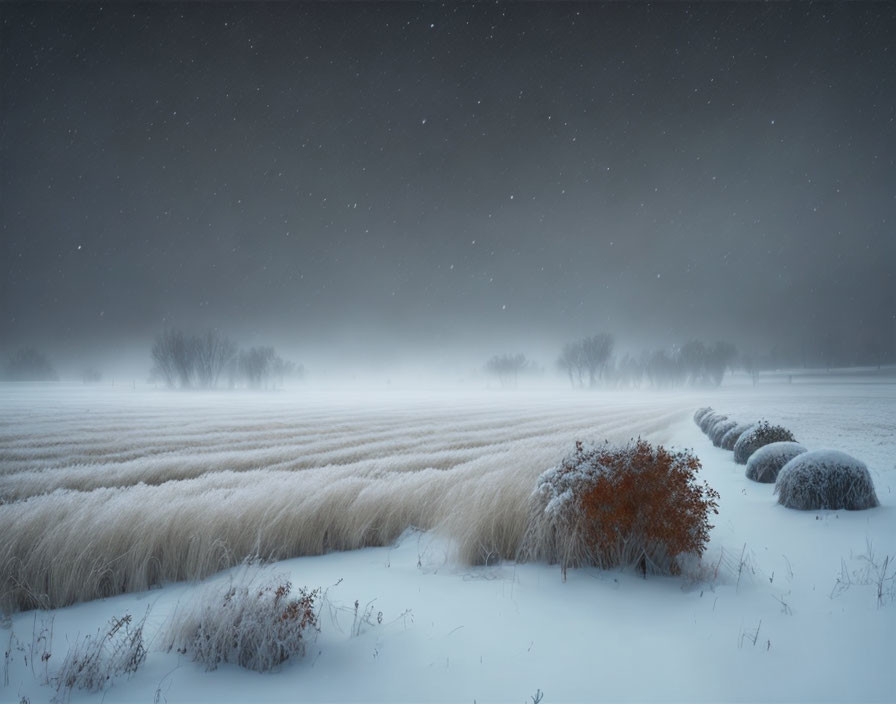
x,y
371,180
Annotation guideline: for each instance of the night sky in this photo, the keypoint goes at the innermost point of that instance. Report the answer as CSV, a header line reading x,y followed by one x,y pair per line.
x,y
385,181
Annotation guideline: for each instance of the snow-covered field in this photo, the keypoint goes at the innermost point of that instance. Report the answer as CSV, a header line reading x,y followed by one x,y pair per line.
x,y
109,489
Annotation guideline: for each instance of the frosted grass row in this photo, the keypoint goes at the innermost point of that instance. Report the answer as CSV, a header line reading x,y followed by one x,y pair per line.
x,y
348,480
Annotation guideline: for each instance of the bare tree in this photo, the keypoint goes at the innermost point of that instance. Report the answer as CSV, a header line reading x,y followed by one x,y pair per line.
x,y
719,359
663,369
256,365
507,367
212,354
702,364
572,361
596,353
693,357
173,355
281,369
200,361
629,371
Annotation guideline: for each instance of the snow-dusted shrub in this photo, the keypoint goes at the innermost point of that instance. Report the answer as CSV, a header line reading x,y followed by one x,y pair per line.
x,y
825,479
700,412
760,434
764,464
252,621
710,418
732,436
93,661
719,418
628,505
717,431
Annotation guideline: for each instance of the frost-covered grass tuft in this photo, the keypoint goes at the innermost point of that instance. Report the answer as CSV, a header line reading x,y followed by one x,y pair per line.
x,y
628,505
253,621
825,479
764,464
718,430
94,661
760,434
730,438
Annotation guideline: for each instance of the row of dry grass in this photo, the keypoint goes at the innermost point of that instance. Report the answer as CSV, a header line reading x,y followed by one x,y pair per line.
x,y
180,496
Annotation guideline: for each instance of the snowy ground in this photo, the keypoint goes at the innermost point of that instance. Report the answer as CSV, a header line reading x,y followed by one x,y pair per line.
x,y
786,606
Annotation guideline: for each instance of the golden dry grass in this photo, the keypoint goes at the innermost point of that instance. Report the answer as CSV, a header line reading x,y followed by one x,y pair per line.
x,y
123,497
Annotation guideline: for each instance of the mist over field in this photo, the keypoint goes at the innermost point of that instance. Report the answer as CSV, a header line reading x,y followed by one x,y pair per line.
x,y
377,187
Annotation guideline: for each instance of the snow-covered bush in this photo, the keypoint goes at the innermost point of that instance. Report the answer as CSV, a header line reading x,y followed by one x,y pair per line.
x,y
732,436
253,621
718,418
717,431
628,505
764,464
700,412
760,434
710,418
825,479
93,661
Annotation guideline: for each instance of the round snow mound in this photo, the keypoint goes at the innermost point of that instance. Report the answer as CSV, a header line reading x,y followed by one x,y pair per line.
x,y
760,434
717,431
732,436
764,464
825,479
700,412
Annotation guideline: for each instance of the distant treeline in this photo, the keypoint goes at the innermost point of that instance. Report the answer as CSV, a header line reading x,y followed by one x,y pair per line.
x,y
205,361
29,364
589,362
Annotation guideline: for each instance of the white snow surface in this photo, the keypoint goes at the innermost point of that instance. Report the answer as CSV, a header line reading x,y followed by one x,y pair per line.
x,y
783,606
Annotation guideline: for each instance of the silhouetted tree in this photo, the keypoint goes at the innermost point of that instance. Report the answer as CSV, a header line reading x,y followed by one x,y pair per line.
x,y
179,360
629,372
590,355
694,363
212,354
200,361
507,367
29,365
174,358
693,358
256,365
663,369
749,363
719,359
283,369
596,353
572,361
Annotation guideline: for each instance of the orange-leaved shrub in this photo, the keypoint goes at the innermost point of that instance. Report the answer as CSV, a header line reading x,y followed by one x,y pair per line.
x,y
630,505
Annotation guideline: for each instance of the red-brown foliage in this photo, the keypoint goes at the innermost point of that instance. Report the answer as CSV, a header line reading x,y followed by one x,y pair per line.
x,y
630,505
650,495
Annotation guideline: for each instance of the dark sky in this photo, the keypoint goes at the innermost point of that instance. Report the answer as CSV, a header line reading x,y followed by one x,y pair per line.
x,y
339,177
